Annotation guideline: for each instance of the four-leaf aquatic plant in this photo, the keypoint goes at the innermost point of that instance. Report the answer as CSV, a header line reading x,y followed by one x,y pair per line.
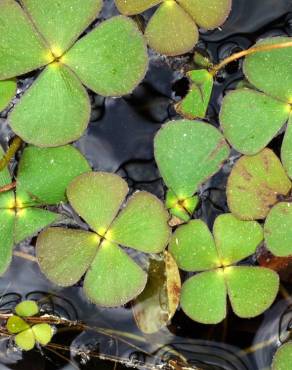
x,y
173,30
251,290
112,277
110,60
42,178
259,188
187,154
27,335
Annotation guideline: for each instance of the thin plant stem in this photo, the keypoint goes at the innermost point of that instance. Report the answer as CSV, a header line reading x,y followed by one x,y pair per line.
x,y
8,187
15,145
26,256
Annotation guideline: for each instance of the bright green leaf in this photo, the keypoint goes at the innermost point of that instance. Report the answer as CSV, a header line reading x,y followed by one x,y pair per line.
x,y
171,31
97,198
25,340
7,92
64,255
254,185
286,149
61,21
236,239
43,333
193,247
283,358
54,111
203,297
7,219
113,278
187,154
251,119
112,59
16,324
131,7
21,48
27,308
251,290
7,199
278,229
142,224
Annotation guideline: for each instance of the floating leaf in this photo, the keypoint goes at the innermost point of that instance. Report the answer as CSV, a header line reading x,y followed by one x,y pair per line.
x,y
61,22
187,154
254,185
43,333
251,290
19,55
142,212
7,92
54,111
7,219
25,340
112,59
283,358
171,31
131,7
7,199
278,229
286,148
113,278
16,324
27,308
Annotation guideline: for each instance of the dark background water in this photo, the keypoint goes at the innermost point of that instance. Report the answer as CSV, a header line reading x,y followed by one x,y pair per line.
x,y
120,139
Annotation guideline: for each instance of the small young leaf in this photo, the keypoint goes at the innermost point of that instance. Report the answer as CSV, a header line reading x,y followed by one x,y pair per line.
x,y
7,92
142,224
112,59
7,219
25,340
171,31
43,333
283,358
113,278
251,290
64,255
97,198
131,7
255,184
278,229
193,247
286,148
203,297
54,111
236,239
27,308
16,324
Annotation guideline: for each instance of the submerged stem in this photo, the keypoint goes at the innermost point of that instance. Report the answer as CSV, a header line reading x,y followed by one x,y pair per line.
x,y
15,145
215,69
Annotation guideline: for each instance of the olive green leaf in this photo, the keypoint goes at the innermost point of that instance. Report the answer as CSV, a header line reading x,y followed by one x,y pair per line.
x,y
286,149
7,92
16,324
283,358
43,333
25,340
131,7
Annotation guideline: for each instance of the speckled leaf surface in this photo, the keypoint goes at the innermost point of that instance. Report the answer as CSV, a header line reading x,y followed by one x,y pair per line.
x,y
112,59
7,219
21,48
207,14
61,21
27,308
43,333
203,297
16,324
251,290
283,358
44,173
113,278
187,154
278,229
64,255
171,31
54,111
286,148
192,245
196,102
271,71
236,239
250,119
97,198
254,185
142,224
131,7
25,340
7,92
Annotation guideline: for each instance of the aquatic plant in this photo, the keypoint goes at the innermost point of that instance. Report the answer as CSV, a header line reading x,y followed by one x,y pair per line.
x,y
110,60
26,334
173,29
42,177
112,277
187,154
283,357
251,290
251,117
7,91
258,188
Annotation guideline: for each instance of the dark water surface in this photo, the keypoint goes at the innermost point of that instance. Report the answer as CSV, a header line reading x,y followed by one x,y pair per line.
x,y
120,139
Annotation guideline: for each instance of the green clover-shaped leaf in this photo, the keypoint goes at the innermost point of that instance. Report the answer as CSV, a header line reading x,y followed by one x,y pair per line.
x,y
7,92
187,154
110,60
42,178
251,290
283,358
173,30
112,277
27,308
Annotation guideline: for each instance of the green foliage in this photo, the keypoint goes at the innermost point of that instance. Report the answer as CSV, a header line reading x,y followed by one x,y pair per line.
x,y
7,92
251,118
173,30
187,154
112,277
42,178
251,290
111,60
283,358
256,189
